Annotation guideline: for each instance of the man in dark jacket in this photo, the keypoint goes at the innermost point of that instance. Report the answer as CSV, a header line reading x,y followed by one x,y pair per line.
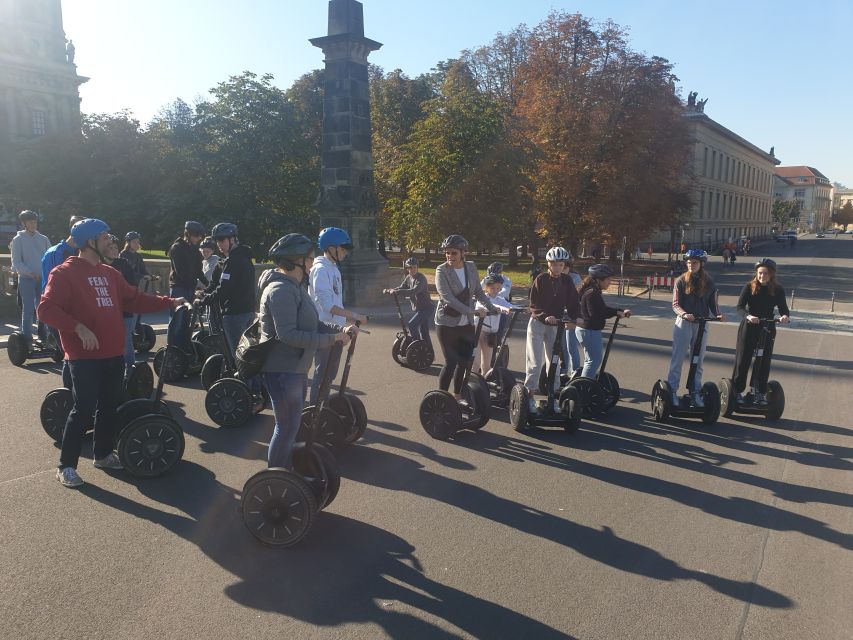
x,y
185,257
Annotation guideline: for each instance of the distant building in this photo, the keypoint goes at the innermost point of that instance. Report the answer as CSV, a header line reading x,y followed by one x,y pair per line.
x,y
840,197
811,189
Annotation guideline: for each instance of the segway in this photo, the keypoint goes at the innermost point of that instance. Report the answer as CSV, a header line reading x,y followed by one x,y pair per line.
x,y
144,337
187,358
775,406
19,351
499,379
344,418
661,400
408,351
220,363
442,416
279,505
567,413
601,394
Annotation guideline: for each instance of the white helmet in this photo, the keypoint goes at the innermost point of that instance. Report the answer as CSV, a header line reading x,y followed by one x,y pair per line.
x,y
557,254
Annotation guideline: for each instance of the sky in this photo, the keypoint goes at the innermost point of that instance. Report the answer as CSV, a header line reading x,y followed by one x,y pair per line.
x,y
775,72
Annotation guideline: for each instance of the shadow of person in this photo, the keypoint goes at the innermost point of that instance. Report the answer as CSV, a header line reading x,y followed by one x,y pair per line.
x,y
344,572
371,466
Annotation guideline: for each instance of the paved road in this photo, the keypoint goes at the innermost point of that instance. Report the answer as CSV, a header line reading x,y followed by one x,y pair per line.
x,y
628,529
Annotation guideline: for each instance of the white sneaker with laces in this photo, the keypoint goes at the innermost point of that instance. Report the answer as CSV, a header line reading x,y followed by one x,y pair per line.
x,y
698,401
68,477
110,461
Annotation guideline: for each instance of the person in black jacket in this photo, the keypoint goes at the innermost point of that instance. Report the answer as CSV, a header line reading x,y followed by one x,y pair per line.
x,y
594,312
186,268
233,283
758,300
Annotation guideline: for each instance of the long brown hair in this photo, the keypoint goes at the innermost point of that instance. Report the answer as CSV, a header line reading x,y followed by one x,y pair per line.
x,y
704,281
771,284
588,283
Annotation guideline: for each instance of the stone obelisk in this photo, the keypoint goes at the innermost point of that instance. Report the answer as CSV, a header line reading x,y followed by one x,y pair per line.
x,y
347,193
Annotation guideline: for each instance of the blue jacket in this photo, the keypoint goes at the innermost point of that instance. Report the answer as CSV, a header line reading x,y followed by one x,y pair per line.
x,y
53,257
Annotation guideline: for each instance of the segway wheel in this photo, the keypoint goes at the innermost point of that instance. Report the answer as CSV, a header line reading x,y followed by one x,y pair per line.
x,y
611,386
397,349
55,407
419,356
477,396
727,397
177,364
502,361
503,381
518,407
711,398
352,413
214,343
661,401
440,414
319,468
146,340
571,406
278,507
17,349
57,355
140,382
593,397
150,445
331,430
229,402
212,370
775,400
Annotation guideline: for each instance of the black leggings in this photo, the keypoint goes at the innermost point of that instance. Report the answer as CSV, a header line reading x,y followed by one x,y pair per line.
x,y
747,339
457,345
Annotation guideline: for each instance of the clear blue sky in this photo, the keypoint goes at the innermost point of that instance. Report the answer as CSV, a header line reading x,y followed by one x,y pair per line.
x,y
775,72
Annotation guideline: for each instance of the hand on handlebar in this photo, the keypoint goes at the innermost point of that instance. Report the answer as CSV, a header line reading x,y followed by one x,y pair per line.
x,y
784,319
178,302
480,313
689,317
626,313
551,320
343,338
753,319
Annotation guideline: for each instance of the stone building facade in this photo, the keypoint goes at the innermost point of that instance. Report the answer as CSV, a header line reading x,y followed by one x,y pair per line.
x,y
811,189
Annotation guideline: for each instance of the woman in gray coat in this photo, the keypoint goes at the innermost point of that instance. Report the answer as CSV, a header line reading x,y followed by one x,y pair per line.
x,y
289,314
458,285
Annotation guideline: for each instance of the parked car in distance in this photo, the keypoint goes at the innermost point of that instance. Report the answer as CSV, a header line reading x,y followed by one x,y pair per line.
x,y
820,234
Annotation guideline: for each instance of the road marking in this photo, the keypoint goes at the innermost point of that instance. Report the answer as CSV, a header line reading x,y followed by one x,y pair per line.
x,y
31,475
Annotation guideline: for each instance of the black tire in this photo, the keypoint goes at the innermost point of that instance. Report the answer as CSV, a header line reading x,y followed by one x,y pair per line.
x,y
17,349
212,370
574,374
611,386
319,468
661,401
145,340
331,430
419,355
440,415
727,397
229,403
140,382
129,411
518,407
352,413
397,349
177,363
593,397
572,408
775,400
477,395
278,507
55,407
150,445
711,398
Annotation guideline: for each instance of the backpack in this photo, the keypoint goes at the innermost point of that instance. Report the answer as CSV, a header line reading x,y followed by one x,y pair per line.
x,y
252,352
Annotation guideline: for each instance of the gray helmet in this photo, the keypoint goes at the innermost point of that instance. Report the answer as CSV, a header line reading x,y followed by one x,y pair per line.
x,y
600,271
289,248
27,215
194,228
493,278
132,235
454,242
495,267
223,230
411,262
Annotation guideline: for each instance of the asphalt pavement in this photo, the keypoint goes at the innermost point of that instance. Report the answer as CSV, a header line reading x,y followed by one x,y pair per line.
x,y
627,529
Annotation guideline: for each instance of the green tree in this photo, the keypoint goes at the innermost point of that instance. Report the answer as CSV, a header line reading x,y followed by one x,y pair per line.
x,y
784,213
844,215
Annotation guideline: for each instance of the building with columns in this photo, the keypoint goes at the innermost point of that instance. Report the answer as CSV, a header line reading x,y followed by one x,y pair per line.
x,y
811,189
39,84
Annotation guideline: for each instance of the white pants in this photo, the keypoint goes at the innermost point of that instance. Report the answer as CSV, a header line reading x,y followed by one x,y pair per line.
x,y
540,346
683,338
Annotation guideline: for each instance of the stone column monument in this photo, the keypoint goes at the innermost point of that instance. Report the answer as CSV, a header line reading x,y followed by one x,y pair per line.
x,y
347,194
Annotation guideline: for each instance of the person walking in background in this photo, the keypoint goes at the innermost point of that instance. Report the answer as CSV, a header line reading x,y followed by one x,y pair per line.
x,y
28,247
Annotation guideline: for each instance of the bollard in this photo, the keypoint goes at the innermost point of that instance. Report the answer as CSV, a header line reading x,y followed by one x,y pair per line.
x,y
832,309
792,299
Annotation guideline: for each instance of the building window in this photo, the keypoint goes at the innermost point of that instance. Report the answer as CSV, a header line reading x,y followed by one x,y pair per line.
x,y
39,123
799,194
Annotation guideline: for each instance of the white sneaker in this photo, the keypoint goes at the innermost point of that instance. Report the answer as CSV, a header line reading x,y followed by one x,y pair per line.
x,y
698,401
110,461
532,407
68,477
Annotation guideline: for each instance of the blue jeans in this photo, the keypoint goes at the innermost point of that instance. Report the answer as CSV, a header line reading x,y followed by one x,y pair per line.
x,y
683,339
97,385
287,391
129,353
571,352
593,351
29,292
419,323
327,357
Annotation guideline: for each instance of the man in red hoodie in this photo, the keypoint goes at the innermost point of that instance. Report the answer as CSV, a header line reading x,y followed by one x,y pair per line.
x,y
84,300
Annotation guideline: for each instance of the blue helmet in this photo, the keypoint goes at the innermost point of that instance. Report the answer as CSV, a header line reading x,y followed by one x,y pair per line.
x,y
88,229
223,230
600,271
696,254
334,237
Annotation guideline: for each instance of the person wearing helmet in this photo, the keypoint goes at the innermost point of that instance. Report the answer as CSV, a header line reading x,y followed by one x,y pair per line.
x,y
325,286
490,335
27,248
209,259
552,297
132,245
571,347
59,253
593,314
85,299
759,298
694,296
113,259
186,269
497,268
458,285
415,288
288,314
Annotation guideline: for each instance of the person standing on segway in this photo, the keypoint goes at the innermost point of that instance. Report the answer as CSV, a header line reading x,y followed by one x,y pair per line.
x,y
758,300
415,287
84,299
27,248
59,253
458,285
552,297
288,314
593,315
694,296
492,285
497,269
112,258
186,268
571,348
325,286
209,259
130,253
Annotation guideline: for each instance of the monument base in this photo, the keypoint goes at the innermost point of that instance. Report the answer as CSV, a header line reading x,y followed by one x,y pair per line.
x,y
365,276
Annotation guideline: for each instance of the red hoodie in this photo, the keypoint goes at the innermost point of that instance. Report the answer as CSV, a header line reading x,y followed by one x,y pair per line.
x,y
94,296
